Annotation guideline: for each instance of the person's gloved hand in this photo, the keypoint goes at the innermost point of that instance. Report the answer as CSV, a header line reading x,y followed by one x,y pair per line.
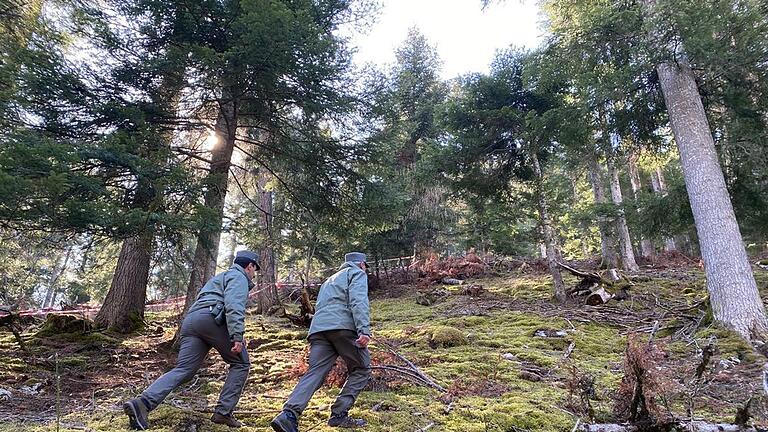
x,y
362,341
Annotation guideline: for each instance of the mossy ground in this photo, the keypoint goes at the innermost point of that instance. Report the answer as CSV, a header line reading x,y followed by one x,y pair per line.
x,y
499,374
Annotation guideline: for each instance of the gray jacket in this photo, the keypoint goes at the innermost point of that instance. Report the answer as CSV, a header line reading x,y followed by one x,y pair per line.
x,y
342,303
230,288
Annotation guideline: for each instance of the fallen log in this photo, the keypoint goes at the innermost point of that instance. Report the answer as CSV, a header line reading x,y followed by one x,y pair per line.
x,y
593,285
598,296
610,277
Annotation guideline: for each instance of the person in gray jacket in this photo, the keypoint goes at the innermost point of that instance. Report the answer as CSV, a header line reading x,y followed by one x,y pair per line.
x,y
215,320
341,326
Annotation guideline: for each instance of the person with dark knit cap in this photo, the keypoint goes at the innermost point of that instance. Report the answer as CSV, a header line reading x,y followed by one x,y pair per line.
x,y
341,326
215,320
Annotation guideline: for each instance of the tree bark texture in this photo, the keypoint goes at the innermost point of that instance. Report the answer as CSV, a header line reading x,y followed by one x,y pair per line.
x,y
607,241
625,241
121,311
646,245
207,248
231,246
550,238
129,282
268,296
660,187
123,308
733,292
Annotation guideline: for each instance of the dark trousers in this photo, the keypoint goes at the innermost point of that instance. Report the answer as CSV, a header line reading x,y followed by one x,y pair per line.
x,y
199,333
324,348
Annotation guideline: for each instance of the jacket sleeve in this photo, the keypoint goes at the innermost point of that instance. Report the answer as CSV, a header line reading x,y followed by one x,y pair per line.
x,y
235,298
358,302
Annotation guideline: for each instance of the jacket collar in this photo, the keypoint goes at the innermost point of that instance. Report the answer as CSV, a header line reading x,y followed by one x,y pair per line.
x,y
242,270
350,265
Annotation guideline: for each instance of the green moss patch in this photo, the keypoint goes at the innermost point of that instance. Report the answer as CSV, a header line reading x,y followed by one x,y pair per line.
x,y
445,337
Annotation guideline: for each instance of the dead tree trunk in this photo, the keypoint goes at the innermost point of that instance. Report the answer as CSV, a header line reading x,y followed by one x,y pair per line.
x,y
646,245
268,296
549,236
625,241
660,187
732,289
607,242
203,265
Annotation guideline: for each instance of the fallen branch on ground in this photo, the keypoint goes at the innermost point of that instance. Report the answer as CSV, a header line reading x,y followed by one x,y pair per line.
x,y
412,371
12,322
426,428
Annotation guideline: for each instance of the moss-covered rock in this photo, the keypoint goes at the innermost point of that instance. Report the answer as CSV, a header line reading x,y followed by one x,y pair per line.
x,y
445,336
58,324
428,298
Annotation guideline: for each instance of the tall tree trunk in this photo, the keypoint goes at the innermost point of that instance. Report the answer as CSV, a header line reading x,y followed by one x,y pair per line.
x,y
123,308
732,289
625,241
550,238
407,157
659,186
231,246
646,245
203,265
50,296
607,242
268,296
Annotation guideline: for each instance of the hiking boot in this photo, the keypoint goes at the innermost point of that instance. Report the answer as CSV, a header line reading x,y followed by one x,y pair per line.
x,y
345,421
228,420
137,414
285,422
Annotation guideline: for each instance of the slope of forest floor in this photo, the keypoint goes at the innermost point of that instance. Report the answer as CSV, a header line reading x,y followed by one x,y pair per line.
x,y
509,359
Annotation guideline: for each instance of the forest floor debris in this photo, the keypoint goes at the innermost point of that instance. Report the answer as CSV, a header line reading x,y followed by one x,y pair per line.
x,y
509,359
